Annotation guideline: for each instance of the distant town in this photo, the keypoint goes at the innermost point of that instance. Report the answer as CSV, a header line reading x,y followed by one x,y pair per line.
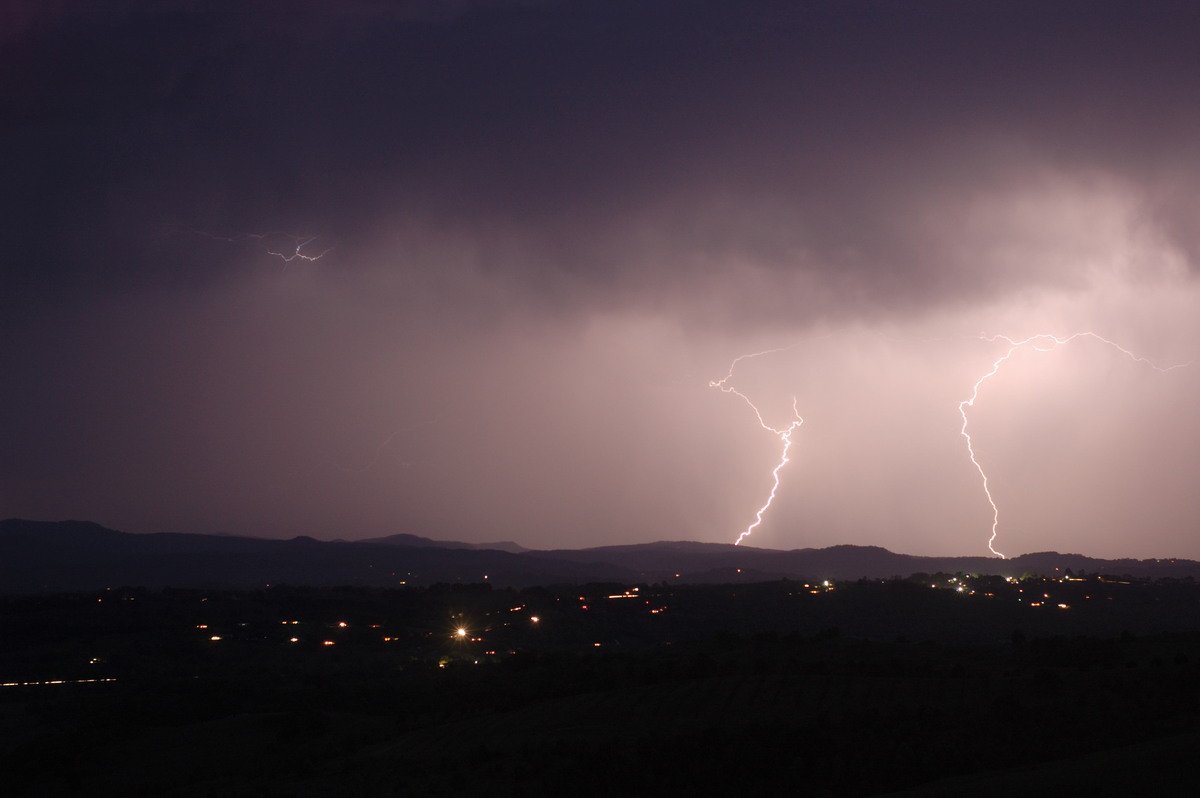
x,y
111,634
835,686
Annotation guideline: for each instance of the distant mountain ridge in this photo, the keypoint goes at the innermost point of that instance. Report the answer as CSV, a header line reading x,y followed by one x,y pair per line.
x,y
39,556
405,539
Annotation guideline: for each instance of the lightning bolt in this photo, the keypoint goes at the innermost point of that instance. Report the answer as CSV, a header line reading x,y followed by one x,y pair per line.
x,y
379,448
270,242
784,434
300,243
374,458
1042,342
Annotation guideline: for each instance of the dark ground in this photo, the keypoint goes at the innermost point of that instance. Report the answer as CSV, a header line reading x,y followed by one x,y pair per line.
x,y
865,689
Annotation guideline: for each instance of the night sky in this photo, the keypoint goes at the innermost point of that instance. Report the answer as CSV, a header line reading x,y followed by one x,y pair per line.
x,y
467,270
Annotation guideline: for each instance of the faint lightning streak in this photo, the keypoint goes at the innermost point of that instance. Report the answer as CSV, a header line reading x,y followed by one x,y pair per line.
x,y
297,243
300,243
377,455
1042,342
784,435
374,458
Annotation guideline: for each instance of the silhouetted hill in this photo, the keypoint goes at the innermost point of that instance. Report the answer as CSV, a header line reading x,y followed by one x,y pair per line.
x,y
690,561
72,555
76,555
404,539
696,561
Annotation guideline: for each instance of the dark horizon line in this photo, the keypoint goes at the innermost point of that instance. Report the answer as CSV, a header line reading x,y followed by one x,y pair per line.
x,y
490,545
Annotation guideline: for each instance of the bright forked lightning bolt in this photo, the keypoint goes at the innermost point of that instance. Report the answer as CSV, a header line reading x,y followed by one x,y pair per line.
x,y
784,435
1042,342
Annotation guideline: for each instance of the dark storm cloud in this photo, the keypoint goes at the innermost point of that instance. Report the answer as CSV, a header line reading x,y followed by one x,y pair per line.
x,y
546,226
621,149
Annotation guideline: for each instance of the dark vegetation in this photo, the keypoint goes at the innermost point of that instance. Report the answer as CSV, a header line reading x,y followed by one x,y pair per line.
x,y
937,683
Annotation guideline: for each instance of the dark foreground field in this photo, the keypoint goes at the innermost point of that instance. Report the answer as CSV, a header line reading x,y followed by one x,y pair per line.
x,y
935,685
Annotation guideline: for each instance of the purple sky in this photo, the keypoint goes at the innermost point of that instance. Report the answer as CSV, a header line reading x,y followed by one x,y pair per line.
x,y
545,227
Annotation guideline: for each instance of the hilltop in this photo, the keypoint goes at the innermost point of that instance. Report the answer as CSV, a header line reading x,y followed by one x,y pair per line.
x,y
40,557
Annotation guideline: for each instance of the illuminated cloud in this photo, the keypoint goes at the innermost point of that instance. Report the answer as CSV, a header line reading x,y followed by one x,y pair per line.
x,y
553,225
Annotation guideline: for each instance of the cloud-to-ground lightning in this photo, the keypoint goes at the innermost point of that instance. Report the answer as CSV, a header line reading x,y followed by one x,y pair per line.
x,y
1042,342
784,435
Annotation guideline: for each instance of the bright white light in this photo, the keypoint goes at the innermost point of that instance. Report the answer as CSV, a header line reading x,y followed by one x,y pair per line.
x,y
784,435
1041,342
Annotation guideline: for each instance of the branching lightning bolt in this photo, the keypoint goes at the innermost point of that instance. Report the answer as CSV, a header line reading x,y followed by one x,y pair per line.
x,y
300,242
1042,342
296,243
784,435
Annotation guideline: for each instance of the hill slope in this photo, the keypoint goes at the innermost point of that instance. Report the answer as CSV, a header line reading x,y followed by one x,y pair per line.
x,y
78,555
